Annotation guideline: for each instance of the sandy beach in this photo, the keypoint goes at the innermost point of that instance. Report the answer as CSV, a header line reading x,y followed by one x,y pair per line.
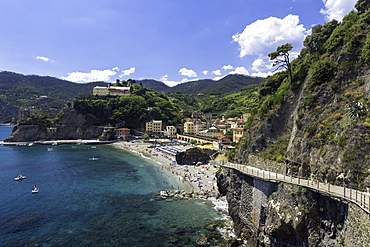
x,y
196,178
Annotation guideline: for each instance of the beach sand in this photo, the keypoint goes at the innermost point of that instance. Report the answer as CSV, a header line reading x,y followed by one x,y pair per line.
x,y
196,178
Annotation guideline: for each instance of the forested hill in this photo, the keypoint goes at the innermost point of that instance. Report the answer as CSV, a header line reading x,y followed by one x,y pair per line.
x,y
18,90
228,84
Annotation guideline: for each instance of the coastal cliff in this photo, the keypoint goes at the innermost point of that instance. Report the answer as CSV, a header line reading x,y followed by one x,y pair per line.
x,y
277,214
313,122
69,125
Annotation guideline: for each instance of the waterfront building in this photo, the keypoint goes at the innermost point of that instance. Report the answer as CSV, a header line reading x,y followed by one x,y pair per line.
x,y
154,127
123,133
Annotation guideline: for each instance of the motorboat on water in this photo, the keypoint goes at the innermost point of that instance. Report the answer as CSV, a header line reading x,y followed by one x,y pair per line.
x,y
35,189
50,149
93,158
54,144
20,177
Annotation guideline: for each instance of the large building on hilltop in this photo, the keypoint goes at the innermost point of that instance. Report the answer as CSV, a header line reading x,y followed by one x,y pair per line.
x,y
101,91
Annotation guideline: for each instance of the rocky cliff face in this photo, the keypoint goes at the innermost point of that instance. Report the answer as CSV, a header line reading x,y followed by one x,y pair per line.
x,y
70,125
273,214
324,135
321,132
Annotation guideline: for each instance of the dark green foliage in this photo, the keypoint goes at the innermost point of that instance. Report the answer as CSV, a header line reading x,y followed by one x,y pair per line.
x,y
362,5
321,72
271,83
320,33
365,54
130,111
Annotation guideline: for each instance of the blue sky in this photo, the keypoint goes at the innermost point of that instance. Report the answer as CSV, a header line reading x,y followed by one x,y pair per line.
x,y
173,41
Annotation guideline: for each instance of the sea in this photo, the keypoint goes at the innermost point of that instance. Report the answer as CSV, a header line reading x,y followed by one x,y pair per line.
x,y
94,196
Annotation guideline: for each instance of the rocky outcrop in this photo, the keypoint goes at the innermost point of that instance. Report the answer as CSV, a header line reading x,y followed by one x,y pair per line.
x,y
70,125
194,155
272,214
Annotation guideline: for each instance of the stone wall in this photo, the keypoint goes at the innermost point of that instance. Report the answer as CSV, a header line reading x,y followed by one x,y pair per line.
x,y
357,227
267,165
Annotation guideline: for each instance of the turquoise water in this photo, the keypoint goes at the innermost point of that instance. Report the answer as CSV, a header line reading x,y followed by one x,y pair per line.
x,y
110,201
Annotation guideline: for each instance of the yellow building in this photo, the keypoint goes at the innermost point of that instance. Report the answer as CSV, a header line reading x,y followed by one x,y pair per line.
x,y
189,128
154,126
237,134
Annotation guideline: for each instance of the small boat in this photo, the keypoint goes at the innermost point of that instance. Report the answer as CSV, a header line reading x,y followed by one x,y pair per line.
x,y
31,144
50,149
54,144
20,177
35,189
93,158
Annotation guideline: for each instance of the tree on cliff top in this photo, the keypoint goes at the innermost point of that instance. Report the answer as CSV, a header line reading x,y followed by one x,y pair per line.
x,y
281,57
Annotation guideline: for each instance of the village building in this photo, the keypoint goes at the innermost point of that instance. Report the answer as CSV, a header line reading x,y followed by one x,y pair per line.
x,y
170,131
26,113
154,127
237,134
123,133
212,132
189,128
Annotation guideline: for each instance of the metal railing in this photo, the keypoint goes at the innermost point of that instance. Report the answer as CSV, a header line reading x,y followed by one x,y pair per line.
x,y
362,199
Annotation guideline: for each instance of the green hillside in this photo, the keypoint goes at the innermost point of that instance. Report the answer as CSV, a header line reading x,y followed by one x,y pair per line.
x,y
18,90
228,84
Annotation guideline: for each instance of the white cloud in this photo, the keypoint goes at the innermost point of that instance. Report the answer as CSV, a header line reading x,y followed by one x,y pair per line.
x,y
165,80
205,72
216,72
227,67
262,74
217,78
240,71
260,65
264,36
45,59
128,71
93,75
337,9
187,72
116,69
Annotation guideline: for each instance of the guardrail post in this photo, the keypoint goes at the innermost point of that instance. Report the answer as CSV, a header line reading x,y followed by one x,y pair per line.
x,y
328,187
344,192
317,183
269,174
350,194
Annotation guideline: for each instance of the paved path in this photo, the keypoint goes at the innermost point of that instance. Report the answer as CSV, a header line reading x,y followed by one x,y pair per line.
x,y
360,198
